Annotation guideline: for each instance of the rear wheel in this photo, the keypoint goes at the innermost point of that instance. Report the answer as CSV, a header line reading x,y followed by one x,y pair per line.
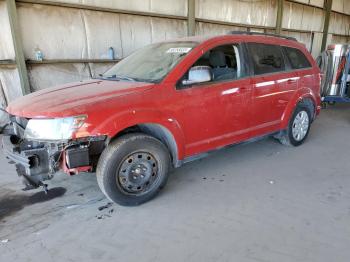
x,y
298,128
133,169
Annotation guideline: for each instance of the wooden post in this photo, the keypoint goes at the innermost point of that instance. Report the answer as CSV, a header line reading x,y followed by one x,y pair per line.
x,y
279,16
17,43
328,10
191,20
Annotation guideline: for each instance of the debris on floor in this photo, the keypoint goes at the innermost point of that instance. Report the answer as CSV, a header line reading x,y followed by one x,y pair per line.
x,y
109,204
103,216
89,202
4,241
108,213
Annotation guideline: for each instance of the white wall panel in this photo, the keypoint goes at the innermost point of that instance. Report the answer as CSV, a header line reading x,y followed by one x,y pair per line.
x,y
319,3
302,1
171,7
214,29
102,32
43,76
341,6
135,32
138,31
57,32
304,38
10,83
347,9
340,39
316,45
164,29
246,12
339,24
99,68
297,16
6,45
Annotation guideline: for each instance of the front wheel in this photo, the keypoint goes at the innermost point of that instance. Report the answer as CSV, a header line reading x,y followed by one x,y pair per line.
x,y
133,169
298,127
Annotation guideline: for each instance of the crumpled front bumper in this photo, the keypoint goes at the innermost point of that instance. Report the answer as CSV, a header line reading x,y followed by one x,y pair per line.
x,y
12,154
32,161
38,161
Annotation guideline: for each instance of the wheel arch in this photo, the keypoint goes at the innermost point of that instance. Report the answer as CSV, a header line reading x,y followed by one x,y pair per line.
x,y
307,99
159,132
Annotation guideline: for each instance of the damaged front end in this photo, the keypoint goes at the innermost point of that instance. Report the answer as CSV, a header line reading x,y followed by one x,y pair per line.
x,y
37,160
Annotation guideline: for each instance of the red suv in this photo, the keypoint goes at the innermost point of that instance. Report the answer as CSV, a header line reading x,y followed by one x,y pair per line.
x,y
162,106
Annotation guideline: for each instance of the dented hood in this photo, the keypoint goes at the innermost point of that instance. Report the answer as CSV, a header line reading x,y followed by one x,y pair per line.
x,y
73,98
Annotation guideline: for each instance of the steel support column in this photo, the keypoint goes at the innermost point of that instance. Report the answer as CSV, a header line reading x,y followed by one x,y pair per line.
x,y
17,43
191,20
328,10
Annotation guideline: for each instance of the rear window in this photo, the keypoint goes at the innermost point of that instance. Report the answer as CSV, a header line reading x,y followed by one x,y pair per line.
x,y
296,58
266,58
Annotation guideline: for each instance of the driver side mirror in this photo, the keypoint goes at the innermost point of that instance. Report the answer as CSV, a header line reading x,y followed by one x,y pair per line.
x,y
198,74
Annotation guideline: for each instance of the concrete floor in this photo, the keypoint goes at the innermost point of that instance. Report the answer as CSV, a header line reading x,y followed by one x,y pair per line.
x,y
255,202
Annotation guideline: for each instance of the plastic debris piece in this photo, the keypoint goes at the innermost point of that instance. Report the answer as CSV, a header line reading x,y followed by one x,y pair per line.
x,y
102,216
4,241
271,182
105,206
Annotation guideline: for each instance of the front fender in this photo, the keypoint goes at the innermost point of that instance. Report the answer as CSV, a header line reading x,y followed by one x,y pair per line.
x,y
116,123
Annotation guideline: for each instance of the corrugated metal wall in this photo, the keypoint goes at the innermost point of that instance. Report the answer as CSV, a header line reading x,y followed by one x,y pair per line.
x,y
70,32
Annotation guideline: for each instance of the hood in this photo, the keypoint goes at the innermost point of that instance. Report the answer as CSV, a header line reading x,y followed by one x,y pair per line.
x,y
73,98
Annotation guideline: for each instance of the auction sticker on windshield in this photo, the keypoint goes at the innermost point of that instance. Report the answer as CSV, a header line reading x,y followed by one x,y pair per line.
x,y
179,50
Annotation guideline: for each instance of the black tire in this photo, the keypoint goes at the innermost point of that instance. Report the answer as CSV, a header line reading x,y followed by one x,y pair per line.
x,y
286,137
119,187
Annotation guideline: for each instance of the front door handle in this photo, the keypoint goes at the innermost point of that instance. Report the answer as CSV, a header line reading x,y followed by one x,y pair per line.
x,y
290,81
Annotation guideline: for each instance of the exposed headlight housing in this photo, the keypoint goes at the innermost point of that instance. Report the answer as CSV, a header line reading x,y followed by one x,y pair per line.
x,y
53,129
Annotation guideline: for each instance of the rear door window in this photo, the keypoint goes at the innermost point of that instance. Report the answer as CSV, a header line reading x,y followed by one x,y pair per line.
x,y
266,58
296,58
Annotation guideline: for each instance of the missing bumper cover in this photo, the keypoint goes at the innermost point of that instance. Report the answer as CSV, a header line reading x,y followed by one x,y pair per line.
x,y
77,157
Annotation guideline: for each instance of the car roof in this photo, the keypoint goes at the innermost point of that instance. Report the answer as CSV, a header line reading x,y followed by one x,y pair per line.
x,y
249,36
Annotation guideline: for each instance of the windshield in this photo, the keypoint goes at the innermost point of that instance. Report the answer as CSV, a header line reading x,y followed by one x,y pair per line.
x,y
151,63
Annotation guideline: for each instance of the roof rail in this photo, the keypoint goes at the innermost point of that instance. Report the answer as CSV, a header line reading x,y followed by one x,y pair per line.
x,y
265,34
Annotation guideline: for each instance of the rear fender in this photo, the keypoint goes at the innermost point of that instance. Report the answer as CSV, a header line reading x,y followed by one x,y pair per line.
x,y
303,93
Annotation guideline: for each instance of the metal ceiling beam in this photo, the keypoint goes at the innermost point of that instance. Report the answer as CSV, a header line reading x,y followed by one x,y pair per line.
x,y
328,10
279,16
191,17
17,44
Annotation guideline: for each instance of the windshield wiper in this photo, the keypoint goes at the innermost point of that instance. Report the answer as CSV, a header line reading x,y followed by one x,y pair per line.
x,y
121,78
127,78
